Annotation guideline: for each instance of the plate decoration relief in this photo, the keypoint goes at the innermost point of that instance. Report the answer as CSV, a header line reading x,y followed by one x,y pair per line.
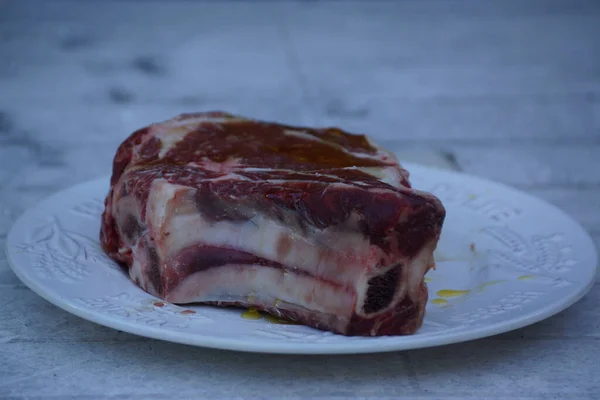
x,y
61,254
513,301
538,255
532,266
146,310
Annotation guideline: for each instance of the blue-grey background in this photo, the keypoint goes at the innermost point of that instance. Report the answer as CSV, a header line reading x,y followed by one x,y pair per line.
x,y
508,90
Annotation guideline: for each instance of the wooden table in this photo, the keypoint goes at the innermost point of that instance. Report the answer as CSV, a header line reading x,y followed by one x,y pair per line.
x,y
505,90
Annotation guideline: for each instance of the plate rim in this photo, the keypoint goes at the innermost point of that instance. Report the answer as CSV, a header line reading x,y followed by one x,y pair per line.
x,y
244,345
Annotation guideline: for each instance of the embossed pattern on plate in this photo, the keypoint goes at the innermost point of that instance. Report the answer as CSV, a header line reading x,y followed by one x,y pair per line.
x,y
505,260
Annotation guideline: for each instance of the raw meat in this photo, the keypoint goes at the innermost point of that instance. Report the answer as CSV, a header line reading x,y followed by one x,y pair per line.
x,y
317,226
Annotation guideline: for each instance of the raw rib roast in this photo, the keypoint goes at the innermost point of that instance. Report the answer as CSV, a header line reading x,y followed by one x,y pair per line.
x,y
317,226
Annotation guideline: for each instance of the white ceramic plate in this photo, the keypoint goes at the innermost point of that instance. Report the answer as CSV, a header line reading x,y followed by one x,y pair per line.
x,y
505,260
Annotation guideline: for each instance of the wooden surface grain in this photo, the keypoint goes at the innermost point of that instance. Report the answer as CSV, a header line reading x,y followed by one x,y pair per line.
x,y
505,90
